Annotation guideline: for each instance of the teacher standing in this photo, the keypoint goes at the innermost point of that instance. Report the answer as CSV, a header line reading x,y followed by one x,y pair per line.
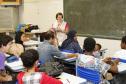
x,y
61,27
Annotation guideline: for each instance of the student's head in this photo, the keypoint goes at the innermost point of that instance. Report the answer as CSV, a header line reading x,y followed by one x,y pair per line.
x,y
25,37
50,36
123,42
89,44
29,58
97,47
5,42
59,16
72,35
21,37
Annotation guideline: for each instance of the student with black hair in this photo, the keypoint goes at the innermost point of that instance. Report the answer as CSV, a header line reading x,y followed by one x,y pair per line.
x,y
5,43
121,76
121,53
97,49
71,44
47,50
30,76
21,37
89,61
18,37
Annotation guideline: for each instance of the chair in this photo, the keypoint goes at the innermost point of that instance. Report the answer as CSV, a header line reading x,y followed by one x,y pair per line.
x,y
88,74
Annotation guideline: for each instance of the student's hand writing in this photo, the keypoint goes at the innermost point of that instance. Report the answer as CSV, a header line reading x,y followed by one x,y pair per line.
x,y
107,60
116,61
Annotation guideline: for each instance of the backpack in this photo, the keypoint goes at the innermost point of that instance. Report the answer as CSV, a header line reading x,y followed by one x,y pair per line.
x,y
53,69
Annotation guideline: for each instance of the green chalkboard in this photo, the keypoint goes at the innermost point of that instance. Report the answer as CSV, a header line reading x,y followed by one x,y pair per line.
x,y
99,18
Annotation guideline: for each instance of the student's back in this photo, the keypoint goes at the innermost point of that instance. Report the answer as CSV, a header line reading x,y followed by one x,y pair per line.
x,y
36,78
71,43
30,76
47,50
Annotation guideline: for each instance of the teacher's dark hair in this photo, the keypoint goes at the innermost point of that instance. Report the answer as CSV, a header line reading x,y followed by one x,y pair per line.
x,y
59,13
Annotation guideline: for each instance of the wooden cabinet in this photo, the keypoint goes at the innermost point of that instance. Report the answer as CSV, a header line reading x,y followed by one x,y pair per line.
x,y
10,2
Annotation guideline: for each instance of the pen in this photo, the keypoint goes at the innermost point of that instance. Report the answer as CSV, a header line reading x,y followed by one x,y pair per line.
x,y
68,81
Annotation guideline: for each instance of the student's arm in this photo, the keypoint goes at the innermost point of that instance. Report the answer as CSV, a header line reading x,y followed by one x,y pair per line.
x,y
56,52
113,64
114,69
110,65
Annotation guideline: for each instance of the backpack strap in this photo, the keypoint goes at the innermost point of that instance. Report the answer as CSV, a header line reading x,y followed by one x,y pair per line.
x,y
19,77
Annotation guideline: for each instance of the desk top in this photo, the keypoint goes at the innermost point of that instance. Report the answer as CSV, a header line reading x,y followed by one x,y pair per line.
x,y
31,43
71,79
121,66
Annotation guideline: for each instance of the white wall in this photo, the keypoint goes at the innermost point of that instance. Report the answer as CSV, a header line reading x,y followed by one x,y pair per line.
x,y
42,13
111,45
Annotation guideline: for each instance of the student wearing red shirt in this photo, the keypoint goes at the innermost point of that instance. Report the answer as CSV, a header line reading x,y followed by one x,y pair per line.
x,y
30,76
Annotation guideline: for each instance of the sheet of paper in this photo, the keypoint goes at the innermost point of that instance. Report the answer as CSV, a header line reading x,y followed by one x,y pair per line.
x,y
71,79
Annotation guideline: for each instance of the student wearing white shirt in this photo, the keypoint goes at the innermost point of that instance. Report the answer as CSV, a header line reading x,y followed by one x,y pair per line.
x,y
90,62
121,53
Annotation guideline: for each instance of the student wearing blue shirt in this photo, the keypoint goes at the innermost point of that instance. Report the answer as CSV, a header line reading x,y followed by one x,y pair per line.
x,y
71,43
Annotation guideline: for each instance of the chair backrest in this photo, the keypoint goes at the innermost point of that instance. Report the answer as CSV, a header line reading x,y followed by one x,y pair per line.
x,y
90,75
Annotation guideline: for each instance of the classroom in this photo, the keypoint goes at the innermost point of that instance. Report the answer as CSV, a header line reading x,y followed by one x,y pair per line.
x,y
55,42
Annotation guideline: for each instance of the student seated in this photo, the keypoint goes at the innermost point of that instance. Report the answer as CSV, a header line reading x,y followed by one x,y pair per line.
x,y
30,76
122,53
47,50
5,43
21,37
97,49
120,77
90,62
71,43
